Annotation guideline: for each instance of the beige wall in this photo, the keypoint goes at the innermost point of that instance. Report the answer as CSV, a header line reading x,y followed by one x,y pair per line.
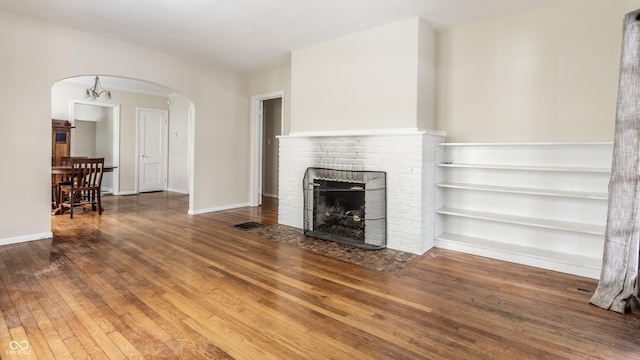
x,y
268,81
179,144
544,75
368,80
35,55
83,139
427,75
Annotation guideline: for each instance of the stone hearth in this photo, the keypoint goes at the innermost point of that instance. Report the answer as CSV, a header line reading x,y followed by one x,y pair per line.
x,y
384,260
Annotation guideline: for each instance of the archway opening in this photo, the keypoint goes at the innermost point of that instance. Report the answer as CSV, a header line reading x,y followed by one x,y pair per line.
x,y
110,128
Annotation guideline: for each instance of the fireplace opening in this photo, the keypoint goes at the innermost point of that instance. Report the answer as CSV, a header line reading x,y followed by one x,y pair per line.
x,y
348,207
339,209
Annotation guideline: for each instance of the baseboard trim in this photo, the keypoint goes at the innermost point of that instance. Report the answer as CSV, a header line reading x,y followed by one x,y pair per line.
x,y
522,259
125,193
26,238
217,208
179,191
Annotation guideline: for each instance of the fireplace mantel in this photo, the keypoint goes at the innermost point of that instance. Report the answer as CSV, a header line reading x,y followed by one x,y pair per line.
x,y
358,133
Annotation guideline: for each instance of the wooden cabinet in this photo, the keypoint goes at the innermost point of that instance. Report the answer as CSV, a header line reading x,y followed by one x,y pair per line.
x,y
60,140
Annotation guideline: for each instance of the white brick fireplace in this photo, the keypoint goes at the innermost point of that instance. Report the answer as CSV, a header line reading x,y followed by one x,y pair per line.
x,y
407,156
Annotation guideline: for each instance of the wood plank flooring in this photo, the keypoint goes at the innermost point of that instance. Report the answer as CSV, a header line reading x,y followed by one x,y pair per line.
x,y
146,280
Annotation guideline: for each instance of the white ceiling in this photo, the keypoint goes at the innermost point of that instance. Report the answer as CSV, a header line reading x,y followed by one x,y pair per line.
x,y
249,35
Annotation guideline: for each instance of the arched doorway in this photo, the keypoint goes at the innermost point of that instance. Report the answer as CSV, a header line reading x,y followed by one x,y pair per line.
x,y
115,127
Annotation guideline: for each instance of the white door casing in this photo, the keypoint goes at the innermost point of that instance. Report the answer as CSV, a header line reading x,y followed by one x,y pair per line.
x,y
255,187
152,149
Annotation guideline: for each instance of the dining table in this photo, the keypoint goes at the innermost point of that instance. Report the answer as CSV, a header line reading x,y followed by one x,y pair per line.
x,y
66,170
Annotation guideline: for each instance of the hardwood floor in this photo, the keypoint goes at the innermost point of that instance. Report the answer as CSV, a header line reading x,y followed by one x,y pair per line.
x,y
146,280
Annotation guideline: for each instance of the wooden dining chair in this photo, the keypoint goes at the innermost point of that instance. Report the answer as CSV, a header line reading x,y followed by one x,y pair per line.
x,y
84,187
61,179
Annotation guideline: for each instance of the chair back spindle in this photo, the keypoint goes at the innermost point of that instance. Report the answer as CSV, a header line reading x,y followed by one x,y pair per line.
x,y
84,186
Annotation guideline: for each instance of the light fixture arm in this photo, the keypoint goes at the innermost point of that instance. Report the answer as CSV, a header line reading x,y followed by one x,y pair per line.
x,y
97,91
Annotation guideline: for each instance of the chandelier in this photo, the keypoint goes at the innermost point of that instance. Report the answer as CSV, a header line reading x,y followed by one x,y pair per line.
x,y
97,91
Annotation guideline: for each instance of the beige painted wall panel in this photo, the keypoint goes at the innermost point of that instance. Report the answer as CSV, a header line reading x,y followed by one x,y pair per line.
x,y
179,144
543,75
83,140
427,76
367,80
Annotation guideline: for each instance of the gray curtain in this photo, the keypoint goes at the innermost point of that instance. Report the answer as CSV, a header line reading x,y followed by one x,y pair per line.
x,y
618,285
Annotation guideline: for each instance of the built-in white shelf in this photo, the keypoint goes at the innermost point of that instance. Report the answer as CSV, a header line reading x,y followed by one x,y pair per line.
x,y
526,221
526,191
528,144
528,167
538,204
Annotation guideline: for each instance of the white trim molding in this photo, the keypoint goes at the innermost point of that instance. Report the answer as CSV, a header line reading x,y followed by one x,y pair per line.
x,y
26,238
217,208
368,132
255,175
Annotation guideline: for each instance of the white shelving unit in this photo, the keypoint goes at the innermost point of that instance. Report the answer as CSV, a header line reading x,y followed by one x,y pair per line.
x,y
538,204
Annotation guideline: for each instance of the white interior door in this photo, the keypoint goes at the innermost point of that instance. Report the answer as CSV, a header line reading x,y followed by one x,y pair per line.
x,y
152,149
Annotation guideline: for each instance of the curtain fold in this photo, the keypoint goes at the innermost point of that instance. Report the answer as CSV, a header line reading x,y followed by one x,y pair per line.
x,y
618,285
